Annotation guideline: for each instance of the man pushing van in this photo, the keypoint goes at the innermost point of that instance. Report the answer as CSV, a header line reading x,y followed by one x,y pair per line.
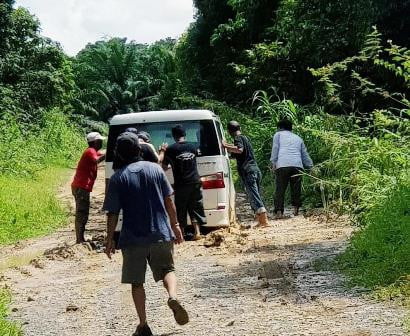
x,y
187,183
84,180
248,170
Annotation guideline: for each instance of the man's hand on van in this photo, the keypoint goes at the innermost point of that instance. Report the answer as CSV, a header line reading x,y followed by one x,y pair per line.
x,y
163,147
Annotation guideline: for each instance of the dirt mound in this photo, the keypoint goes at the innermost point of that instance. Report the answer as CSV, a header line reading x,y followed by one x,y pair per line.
x,y
73,251
63,251
229,237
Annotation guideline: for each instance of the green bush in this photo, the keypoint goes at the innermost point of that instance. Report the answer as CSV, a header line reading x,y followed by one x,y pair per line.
x,y
28,148
379,254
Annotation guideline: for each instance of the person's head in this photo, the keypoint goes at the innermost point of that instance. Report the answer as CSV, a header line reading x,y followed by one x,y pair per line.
x,y
178,132
131,130
144,136
95,140
285,125
233,127
127,148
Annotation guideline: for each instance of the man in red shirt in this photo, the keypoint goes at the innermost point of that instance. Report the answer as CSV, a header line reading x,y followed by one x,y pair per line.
x,y
83,182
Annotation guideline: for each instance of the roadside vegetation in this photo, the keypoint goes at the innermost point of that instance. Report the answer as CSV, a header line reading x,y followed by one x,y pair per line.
x,y
339,70
7,328
38,139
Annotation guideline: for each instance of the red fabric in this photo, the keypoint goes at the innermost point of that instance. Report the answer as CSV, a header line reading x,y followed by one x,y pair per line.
x,y
86,170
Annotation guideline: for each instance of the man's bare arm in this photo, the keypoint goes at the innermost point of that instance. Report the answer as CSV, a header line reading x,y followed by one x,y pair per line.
x,y
232,148
161,156
101,158
172,214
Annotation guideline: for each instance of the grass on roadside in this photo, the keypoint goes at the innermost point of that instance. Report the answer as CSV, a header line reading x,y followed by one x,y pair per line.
x,y
379,255
28,205
7,328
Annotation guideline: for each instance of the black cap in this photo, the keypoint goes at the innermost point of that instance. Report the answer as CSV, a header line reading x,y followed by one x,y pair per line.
x,y
128,147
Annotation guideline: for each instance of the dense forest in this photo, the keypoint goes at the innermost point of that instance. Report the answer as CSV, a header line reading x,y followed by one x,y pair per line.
x,y
340,70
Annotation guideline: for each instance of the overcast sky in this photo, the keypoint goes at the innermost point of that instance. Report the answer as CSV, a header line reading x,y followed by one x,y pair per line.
x,y
74,23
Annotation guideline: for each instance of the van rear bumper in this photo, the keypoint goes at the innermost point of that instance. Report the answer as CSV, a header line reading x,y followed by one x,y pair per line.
x,y
217,218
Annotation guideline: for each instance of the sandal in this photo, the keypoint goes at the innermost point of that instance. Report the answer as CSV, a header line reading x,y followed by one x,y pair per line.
x,y
180,314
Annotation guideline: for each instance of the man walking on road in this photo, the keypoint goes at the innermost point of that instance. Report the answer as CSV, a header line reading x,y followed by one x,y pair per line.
x,y
187,183
150,227
248,170
289,157
83,182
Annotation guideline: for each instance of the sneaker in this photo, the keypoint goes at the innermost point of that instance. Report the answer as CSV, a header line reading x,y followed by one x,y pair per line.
x,y
180,314
143,331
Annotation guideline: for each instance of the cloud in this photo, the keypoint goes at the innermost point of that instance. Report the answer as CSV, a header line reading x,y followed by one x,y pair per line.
x,y
74,23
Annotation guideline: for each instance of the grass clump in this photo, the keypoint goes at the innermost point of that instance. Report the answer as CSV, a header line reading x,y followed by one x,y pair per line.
x,y
29,207
7,328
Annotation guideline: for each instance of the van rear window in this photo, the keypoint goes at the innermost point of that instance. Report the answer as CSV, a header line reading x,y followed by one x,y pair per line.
x,y
201,133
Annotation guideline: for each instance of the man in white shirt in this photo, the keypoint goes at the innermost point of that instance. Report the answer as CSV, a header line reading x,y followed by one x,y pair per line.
x,y
289,158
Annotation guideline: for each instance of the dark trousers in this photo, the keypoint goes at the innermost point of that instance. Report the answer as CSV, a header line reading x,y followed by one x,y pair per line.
x,y
251,181
82,210
285,176
189,200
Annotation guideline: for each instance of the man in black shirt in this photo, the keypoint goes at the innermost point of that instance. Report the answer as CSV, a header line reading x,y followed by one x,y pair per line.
x,y
187,183
248,170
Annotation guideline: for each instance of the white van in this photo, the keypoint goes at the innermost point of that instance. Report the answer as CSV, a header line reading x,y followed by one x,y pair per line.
x,y
204,130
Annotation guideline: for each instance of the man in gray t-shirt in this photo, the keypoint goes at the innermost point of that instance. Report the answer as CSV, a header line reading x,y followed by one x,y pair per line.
x,y
150,227
289,158
248,170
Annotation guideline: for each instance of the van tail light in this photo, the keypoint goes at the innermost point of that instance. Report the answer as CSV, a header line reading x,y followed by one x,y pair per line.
x,y
214,181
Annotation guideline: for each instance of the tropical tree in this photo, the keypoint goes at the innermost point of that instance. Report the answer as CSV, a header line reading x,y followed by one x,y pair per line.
x,y
35,74
115,77
236,47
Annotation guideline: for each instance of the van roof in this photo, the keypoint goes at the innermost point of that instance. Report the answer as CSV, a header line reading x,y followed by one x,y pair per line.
x,y
158,116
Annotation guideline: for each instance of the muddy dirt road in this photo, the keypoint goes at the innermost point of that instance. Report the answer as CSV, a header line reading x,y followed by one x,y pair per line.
x,y
253,282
